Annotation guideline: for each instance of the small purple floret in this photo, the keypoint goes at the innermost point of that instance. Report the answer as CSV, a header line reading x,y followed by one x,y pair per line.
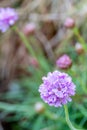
x,y
57,88
8,17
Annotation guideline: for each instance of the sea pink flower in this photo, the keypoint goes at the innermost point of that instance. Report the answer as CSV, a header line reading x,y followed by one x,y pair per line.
x,y
29,28
8,17
64,62
57,88
69,23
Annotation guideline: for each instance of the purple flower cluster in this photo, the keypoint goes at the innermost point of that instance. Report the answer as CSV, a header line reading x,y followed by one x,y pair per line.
x,y
64,62
8,17
57,88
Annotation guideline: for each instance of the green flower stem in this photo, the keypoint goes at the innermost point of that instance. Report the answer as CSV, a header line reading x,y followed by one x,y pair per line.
x,y
29,47
80,38
67,119
24,39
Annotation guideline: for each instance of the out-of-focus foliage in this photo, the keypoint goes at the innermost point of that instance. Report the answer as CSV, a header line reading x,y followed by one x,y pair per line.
x,y
25,59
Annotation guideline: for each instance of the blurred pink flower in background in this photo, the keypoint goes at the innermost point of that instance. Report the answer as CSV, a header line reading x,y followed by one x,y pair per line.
x,y
64,62
69,23
29,28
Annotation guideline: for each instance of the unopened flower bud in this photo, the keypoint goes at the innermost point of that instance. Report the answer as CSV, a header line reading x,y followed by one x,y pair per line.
x,y
64,62
29,28
39,107
34,62
69,23
78,47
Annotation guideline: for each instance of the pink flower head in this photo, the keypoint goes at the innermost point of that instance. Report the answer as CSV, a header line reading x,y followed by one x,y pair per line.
x,y
29,28
8,17
69,23
64,62
57,88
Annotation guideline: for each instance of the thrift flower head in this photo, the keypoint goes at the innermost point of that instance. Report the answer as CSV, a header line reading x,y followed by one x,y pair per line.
x,y
29,28
57,88
69,23
8,17
64,62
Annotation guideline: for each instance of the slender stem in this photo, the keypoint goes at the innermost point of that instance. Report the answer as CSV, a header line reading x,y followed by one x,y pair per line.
x,y
67,119
29,47
24,39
